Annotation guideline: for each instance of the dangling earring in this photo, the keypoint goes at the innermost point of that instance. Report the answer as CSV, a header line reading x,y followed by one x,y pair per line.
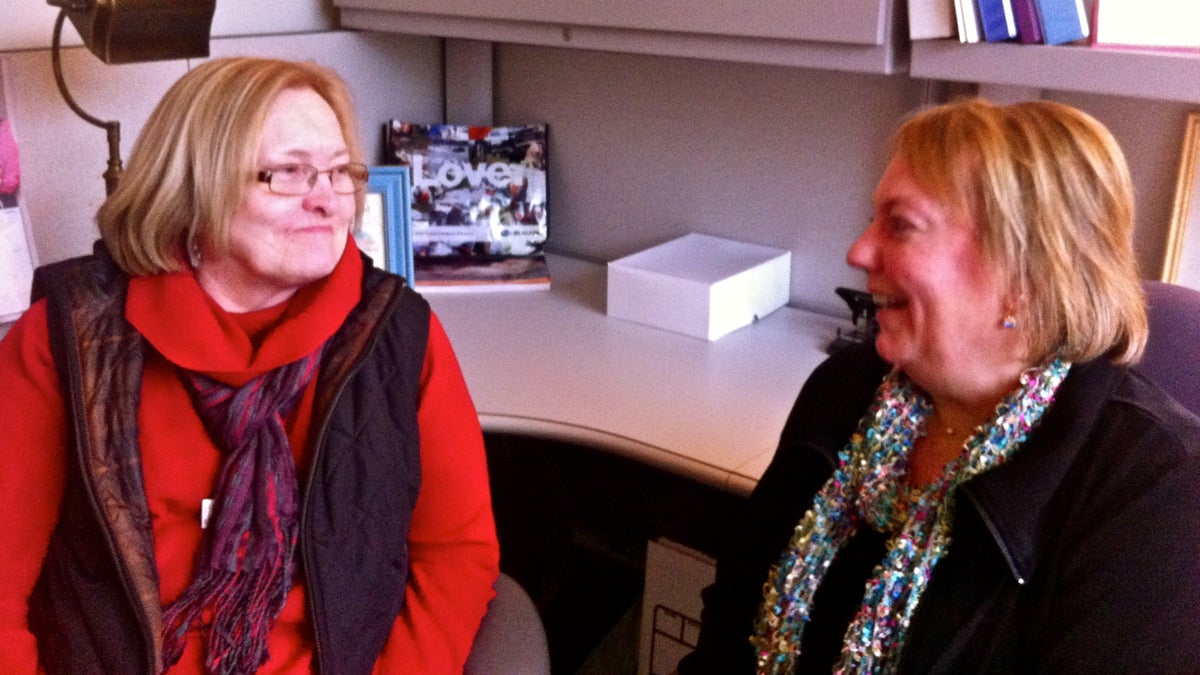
x,y
193,252
1010,322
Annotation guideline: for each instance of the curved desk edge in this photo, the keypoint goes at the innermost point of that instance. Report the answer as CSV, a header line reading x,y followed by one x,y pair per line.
x,y
622,446
553,364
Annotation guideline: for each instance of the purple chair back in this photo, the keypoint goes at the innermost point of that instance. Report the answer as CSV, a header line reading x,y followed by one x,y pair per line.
x,y
1172,357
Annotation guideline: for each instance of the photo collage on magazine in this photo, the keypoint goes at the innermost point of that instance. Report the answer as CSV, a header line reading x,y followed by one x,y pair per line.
x,y
479,201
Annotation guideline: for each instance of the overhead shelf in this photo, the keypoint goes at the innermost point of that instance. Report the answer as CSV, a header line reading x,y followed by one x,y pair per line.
x,y
865,36
855,35
1162,75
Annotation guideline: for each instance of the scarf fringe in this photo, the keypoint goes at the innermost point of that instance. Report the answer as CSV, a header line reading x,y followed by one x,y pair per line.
x,y
247,559
241,605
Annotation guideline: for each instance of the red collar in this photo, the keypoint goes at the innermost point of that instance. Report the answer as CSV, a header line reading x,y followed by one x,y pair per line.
x,y
190,330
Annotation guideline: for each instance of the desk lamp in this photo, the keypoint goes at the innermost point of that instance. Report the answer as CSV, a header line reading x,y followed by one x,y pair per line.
x,y
130,31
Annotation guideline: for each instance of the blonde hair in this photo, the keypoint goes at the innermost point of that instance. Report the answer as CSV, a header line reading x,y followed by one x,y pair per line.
x,y
1050,190
195,158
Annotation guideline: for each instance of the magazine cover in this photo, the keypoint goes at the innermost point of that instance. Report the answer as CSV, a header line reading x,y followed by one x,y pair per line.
x,y
479,206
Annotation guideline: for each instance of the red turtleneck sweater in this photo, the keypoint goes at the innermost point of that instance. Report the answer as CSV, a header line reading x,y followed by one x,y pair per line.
x,y
453,551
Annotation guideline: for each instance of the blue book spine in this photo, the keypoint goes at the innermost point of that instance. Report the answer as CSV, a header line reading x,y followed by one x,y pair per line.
x,y
1062,21
996,17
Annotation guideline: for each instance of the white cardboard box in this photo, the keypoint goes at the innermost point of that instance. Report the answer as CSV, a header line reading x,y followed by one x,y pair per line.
x,y
699,285
671,604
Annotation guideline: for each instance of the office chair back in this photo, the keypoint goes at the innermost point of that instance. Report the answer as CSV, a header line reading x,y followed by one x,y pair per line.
x,y
1172,358
511,639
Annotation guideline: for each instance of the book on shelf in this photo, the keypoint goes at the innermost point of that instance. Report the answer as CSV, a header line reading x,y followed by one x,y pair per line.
x,y
1062,21
967,18
997,20
1029,27
1172,25
479,204
930,19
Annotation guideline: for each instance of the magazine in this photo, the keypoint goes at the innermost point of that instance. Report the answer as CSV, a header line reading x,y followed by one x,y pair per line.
x,y
479,204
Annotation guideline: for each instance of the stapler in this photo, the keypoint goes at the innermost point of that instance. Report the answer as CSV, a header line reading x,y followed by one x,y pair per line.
x,y
862,315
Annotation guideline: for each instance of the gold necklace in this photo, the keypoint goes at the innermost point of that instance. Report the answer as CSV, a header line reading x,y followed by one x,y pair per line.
x,y
946,429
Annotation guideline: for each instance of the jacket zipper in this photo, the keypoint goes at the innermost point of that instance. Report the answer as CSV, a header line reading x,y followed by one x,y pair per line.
x,y
305,550
983,515
995,532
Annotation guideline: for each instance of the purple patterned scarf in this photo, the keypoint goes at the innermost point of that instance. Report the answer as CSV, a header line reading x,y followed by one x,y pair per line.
x,y
247,559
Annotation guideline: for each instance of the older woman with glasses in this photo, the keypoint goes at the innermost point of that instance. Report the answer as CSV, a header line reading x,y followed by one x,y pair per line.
x,y
228,442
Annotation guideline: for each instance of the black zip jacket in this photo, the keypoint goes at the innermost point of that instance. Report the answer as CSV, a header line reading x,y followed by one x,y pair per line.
x,y
1080,555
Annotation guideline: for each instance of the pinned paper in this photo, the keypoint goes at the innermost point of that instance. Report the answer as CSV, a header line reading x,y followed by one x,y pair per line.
x,y
10,165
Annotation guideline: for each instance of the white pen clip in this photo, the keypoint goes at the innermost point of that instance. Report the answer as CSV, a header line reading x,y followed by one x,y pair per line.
x,y
205,511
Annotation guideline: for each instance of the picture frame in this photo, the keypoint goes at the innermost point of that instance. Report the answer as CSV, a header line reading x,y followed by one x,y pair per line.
x,y
385,231
1181,262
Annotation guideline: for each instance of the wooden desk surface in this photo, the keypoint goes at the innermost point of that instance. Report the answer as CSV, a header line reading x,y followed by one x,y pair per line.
x,y
552,364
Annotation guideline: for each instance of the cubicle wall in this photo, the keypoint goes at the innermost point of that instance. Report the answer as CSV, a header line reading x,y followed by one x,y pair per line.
x,y
649,147
63,157
644,147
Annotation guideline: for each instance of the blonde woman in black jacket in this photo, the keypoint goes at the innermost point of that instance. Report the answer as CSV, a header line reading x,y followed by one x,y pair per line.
x,y
989,487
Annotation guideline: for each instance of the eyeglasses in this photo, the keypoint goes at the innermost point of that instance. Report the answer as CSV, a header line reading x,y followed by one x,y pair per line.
x,y
299,179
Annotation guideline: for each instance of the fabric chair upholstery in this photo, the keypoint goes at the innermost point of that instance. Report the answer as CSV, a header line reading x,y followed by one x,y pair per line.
x,y
511,639
1172,357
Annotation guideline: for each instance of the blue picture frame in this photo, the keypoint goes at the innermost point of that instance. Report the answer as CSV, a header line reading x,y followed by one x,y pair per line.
x,y
386,233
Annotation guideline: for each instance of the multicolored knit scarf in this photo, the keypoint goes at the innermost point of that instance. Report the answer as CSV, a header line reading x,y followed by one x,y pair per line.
x,y
247,559
869,488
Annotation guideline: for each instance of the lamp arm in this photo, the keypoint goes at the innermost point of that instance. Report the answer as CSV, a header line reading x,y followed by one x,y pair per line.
x,y
112,127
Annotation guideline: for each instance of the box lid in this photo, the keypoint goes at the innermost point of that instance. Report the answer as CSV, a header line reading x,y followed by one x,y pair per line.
x,y
699,257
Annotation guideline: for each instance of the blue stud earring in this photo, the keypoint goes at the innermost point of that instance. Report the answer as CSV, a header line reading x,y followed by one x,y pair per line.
x,y
1010,321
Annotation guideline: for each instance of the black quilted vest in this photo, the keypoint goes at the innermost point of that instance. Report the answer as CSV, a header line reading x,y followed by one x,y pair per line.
x,y
96,606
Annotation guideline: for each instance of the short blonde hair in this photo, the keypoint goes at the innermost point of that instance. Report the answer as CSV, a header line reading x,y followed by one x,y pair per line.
x,y
195,158
1050,190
